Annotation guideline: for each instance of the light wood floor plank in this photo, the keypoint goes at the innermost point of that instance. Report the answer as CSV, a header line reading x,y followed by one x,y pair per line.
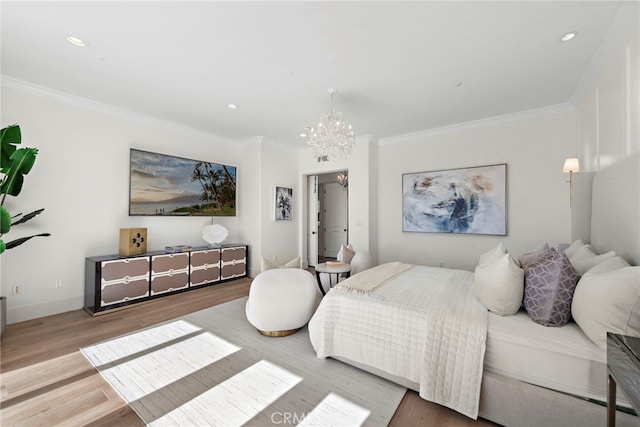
x,y
19,382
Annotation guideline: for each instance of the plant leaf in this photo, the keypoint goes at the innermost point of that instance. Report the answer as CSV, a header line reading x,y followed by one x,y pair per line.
x,y
2,246
9,136
28,216
22,161
18,242
5,220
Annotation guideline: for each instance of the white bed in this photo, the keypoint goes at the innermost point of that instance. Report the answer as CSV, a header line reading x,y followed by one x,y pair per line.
x,y
424,325
532,375
561,359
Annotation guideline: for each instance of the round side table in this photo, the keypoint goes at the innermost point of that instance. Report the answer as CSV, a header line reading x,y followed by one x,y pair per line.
x,y
333,270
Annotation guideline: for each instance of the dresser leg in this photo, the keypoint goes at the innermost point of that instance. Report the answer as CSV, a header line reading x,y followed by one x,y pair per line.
x,y
611,402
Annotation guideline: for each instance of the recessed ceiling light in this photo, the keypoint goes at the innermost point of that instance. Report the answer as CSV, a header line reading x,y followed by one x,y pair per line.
x,y
568,36
76,41
232,106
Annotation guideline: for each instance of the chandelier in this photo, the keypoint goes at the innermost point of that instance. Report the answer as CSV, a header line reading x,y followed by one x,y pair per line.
x,y
332,138
343,179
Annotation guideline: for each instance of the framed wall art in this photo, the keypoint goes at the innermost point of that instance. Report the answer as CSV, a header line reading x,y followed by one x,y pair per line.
x,y
165,185
458,201
283,203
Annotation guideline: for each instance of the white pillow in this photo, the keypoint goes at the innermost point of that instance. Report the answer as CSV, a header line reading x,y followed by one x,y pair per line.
x,y
581,253
583,265
493,254
361,261
607,265
608,302
294,263
265,264
500,285
345,254
573,248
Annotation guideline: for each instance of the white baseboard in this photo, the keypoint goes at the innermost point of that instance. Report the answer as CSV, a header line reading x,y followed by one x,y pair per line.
x,y
34,311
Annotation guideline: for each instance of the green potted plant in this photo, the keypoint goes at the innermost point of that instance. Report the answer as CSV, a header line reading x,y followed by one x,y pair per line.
x,y
15,163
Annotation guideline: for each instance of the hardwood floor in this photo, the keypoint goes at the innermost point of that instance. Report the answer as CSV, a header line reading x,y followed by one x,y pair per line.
x,y
46,381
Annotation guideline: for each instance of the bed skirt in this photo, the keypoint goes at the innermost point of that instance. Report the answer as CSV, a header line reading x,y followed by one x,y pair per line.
x,y
510,402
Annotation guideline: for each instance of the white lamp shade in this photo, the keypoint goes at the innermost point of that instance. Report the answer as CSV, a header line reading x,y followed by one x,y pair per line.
x,y
571,165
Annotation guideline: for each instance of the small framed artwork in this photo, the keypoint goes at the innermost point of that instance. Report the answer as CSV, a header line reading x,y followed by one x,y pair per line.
x,y
460,201
283,204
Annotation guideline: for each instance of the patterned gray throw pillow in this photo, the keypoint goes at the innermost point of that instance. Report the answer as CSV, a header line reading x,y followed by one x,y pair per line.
x,y
548,290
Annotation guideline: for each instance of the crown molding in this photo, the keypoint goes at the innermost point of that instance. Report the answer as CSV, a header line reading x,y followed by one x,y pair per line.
x,y
78,101
475,124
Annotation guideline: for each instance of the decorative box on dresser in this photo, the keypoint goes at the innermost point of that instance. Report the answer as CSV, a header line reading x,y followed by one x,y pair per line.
x,y
114,281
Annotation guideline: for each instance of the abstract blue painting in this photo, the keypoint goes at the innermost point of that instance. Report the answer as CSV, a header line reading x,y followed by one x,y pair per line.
x,y
459,201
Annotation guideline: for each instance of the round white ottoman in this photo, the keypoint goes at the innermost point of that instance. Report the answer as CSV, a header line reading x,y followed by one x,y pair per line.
x,y
281,301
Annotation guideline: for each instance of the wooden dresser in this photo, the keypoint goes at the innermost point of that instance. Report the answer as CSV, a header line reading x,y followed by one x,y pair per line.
x,y
114,281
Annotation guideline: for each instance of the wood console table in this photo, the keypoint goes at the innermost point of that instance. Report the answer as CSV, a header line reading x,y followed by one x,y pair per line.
x,y
113,281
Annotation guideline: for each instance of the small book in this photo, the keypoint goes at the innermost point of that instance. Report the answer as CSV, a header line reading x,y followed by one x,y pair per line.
x,y
335,264
177,249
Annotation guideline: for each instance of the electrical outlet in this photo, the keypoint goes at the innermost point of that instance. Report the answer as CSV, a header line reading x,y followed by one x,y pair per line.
x,y
16,290
57,284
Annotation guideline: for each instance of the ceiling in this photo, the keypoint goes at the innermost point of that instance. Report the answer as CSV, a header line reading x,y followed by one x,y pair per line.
x,y
399,67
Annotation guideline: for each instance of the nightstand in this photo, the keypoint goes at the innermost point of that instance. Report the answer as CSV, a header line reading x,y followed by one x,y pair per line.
x,y
332,270
623,365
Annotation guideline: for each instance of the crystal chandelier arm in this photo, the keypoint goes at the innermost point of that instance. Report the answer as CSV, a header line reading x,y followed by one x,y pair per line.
x,y
333,136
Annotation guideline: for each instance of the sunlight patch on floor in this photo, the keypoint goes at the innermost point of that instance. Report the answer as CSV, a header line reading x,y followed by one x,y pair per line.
x,y
236,400
152,371
335,410
137,342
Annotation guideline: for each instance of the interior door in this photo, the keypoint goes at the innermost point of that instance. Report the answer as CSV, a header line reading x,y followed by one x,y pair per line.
x,y
313,218
336,218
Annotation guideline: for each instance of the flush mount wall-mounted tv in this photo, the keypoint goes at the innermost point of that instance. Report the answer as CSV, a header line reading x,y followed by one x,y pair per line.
x,y
165,185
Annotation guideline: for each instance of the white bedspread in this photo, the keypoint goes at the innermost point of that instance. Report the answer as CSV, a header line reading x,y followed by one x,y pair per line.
x,y
426,325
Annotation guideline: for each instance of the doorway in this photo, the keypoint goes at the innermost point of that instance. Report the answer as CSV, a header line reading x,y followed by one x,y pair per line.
x,y
328,215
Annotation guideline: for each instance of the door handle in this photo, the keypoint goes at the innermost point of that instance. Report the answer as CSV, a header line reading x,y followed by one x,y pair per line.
x,y
344,229
313,232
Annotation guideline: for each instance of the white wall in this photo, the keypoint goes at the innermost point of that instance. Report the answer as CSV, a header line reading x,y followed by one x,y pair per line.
x,y
249,195
604,129
609,107
279,239
81,178
538,210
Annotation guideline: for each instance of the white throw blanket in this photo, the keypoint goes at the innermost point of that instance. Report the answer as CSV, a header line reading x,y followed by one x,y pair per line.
x,y
374,278
425,325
